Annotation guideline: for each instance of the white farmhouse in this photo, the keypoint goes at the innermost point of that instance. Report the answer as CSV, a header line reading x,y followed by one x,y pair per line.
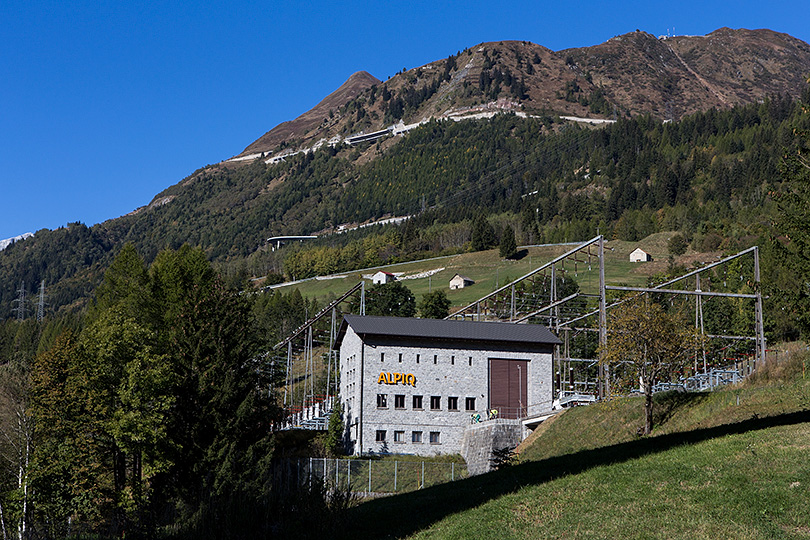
x,y
383,277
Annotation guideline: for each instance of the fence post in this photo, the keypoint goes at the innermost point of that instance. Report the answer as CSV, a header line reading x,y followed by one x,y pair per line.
x,y
452,471
423,475
348,474
337,468
369,476
309,473
325,463
395,476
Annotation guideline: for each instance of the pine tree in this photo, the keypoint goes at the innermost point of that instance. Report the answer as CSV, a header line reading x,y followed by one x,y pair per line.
x,y
508,246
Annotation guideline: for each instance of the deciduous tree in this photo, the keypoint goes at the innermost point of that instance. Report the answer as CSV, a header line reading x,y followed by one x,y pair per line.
x,y
434,305
390,300
647,344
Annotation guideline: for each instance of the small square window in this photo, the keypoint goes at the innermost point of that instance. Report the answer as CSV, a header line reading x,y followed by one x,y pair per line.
x,y
452,403
380,435
399,436
417,402
382,401
470,404
399,401
435,402
434,437
416,436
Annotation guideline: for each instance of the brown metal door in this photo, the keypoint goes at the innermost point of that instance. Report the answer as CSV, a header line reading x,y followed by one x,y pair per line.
x,y
507,387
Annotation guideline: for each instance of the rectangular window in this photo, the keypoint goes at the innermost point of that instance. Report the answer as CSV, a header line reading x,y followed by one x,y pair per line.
x,y
382,357
435,358
382,401
434,437
470,404
380,436
416,436
453,360
417,402
469,360
435,402
417,358
399,401
400,358
399,436
452,403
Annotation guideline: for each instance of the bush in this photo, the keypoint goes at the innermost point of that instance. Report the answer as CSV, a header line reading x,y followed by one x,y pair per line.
x,y
502,458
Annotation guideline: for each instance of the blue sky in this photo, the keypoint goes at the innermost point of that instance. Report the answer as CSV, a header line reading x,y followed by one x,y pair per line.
x,y
105,103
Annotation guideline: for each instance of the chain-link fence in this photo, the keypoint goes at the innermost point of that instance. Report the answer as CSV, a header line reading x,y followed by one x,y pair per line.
x,y
367,476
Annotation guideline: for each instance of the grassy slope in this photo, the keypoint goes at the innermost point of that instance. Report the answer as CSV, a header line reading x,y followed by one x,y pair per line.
x,y
713,469
488,270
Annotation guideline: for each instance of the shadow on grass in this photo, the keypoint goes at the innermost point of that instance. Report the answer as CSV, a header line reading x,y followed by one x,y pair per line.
x,y
666,404
404,515
518,255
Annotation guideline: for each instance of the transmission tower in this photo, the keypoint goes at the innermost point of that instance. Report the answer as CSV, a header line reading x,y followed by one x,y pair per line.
x,y
20,300
41,303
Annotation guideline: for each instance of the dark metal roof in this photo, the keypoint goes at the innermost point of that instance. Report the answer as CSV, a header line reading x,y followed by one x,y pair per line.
x,y
448,330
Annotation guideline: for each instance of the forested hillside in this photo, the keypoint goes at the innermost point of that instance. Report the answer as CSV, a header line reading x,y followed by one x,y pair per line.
x,y
709,176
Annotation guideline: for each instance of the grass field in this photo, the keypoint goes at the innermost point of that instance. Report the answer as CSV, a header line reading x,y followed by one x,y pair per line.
x,y
489,271
730,464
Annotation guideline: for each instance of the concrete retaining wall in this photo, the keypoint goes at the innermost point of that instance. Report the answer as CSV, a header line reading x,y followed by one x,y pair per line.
x,y
481,439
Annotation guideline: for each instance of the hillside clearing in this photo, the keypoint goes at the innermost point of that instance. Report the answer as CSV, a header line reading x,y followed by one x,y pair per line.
x,y
490,271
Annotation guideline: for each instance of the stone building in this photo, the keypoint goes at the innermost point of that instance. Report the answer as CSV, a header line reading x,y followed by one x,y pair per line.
x,y
413,386
459,282
639,255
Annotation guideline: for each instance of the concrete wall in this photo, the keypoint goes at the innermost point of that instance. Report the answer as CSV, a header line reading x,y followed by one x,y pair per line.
x,y
481,439
351,385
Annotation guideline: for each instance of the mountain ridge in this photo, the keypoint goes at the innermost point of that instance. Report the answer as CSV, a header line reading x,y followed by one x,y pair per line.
x,y
631,74
354,85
